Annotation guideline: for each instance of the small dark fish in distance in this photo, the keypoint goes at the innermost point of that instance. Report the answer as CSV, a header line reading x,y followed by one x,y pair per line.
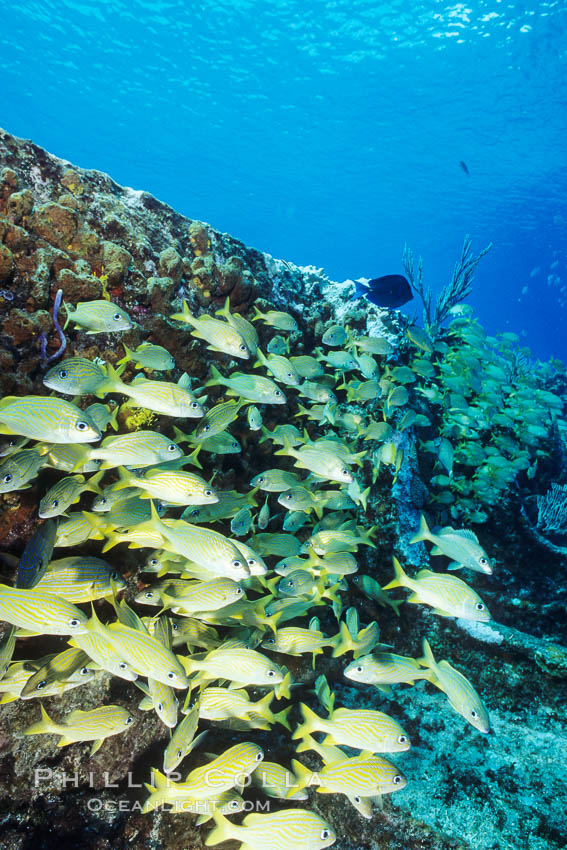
x,y
464,166
37,554
391,291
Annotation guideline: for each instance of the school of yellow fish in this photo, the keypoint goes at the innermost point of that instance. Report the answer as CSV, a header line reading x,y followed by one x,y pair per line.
x,y
236,575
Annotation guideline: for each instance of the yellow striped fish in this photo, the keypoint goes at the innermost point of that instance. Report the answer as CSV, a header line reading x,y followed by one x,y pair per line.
x,y
219,704
163,397
245,328
40,612
360,729
65,493
103,415
292,829
69,666
9,445
104,654
237,664
461,695
81,578
276,319
18,469
175,487
44,418
448,595
221,774
203,546
148,356
294,640
216,420
203,596
138,448
146,655
221,336
94,725
78,376
365,776
385,669
98,317
325,464
183,740
250,387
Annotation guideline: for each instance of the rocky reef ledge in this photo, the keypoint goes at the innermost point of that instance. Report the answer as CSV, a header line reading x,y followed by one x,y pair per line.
x,y
75,230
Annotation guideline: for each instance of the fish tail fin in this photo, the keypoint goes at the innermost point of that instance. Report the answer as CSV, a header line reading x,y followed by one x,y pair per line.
x,y
400,578
281,717
343,641
428,659
310,722
112,540
124,478
216,379
127,355
46,724
423,531
223,830
69,310
113,422
257,314
179,436
285,449
185,316
113,382
93,482
307,743
303,776
360,289
224,311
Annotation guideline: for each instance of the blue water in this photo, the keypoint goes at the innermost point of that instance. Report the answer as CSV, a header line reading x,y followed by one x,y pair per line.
x,y
327,133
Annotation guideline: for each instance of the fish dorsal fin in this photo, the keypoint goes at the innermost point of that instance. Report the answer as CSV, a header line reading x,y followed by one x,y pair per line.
x,y
424,574
466,533
184,381
75,715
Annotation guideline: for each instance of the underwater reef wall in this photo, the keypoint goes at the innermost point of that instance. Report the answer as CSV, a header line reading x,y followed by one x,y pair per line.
x,y
72,230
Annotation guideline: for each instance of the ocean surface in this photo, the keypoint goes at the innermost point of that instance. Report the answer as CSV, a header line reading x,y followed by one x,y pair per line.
x,y
326,133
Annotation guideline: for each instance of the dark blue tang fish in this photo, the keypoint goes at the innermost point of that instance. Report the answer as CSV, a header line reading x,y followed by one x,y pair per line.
x,y
392,290
37,554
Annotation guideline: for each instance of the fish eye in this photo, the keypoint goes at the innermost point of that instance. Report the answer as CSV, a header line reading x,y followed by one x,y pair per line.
x,y
195,512
122,666
271,673
63,373
55,503
154,562
402,739
171,675
74,622
474,713
242,347
356,799
359,669
260,479
194,405
174,626
206,428
289,497
239,591
160,706
114,576
103,501
277,392
82,426
208,492
237,564
479,606
172,447
233,804
84,671
41,685
117,317
326,833
7,478
397,779
129,720
258,756
149,594
271,640
483,561
344,471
